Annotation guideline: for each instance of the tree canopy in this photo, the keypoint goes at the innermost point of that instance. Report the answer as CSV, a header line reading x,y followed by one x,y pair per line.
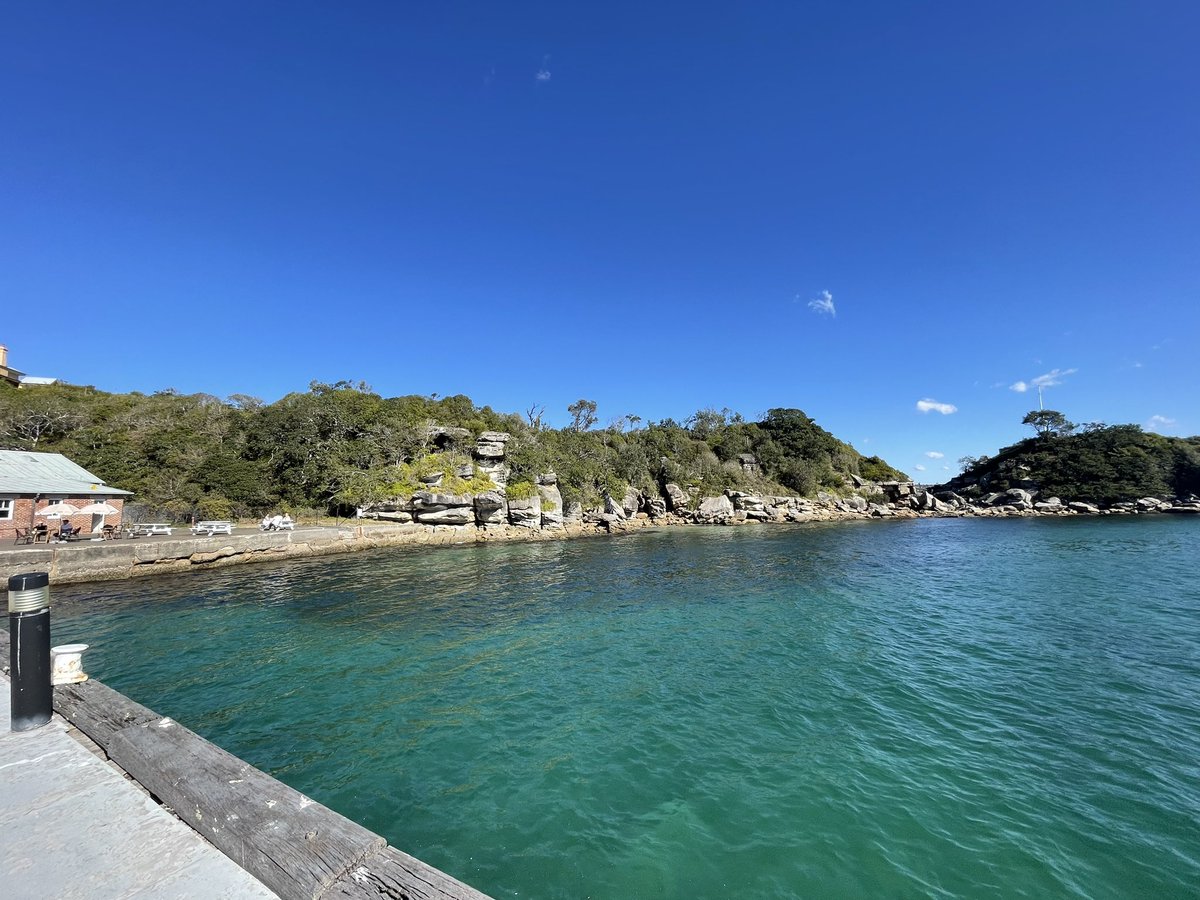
x,y
341,444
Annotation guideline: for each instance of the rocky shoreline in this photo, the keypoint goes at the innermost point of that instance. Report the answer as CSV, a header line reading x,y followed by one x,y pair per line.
x,y
540,507
536,512
118,560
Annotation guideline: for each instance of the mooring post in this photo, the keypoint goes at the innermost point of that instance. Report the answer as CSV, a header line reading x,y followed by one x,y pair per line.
x,y
29,650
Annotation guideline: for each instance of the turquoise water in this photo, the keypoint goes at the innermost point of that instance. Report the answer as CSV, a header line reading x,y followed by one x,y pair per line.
x,y
939,708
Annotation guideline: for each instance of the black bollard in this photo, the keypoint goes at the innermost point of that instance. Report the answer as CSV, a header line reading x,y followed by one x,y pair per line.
x,y
29,636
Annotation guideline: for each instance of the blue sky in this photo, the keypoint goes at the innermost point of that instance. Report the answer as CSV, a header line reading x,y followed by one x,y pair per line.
x,y
848,208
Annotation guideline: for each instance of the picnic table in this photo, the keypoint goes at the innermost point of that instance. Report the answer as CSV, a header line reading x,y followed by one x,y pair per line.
x,y
211,528
147,528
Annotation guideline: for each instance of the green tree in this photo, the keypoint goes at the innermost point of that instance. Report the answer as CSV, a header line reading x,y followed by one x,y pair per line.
x,y
583,415
1048,423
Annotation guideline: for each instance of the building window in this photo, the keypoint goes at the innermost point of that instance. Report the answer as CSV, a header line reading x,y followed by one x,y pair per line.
x,y
6,509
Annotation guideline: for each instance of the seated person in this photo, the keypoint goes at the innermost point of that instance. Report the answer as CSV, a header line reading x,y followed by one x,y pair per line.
x,y
276,521
66,530
265,524
286,522
41,532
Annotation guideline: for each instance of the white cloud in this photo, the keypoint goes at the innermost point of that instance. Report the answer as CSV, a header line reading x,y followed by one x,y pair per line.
x,y
928,405
919,468
823,304
543,75
1160,424
1052,378
933,454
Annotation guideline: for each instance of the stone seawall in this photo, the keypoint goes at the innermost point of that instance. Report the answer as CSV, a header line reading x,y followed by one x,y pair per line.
x,y
138,557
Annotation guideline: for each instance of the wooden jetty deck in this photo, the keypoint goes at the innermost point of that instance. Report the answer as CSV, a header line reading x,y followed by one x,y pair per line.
x,y
73,826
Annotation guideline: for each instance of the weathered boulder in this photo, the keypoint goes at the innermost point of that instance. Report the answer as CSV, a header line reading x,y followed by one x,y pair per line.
x,y
490,444
573,512
552,502
1149,503
613,508
496,470
491,508
1016,497
677,498
527,512
390,515
443,509
656,507
856,503
715,509
394,509
747,502
1081,507
631,502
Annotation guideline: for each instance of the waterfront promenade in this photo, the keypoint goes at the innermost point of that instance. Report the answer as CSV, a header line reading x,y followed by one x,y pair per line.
x,y
74,826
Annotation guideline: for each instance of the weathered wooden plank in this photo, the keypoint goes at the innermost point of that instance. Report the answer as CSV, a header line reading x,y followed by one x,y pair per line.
x,y
99,711
394,875
295,846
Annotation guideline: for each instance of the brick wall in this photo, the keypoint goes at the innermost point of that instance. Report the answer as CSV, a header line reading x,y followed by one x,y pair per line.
x,y
22,508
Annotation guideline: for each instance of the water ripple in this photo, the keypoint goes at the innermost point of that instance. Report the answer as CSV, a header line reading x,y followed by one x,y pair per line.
x,y
940,708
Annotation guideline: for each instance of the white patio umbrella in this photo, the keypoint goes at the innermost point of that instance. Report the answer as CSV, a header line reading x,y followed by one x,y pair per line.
x,y
58,510
97,511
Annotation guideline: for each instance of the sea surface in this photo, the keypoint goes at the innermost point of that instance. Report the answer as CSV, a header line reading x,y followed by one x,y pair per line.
x,y
933,708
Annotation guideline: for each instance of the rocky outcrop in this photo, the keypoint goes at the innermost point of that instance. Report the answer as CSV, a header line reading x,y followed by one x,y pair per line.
x,y
552,501
676,497
443,509
631,502
445,437
715,509
491,508
489,453
491,445
614,508
526,512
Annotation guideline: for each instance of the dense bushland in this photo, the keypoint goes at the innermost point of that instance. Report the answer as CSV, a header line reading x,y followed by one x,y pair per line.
x,y
1095,463
339,445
